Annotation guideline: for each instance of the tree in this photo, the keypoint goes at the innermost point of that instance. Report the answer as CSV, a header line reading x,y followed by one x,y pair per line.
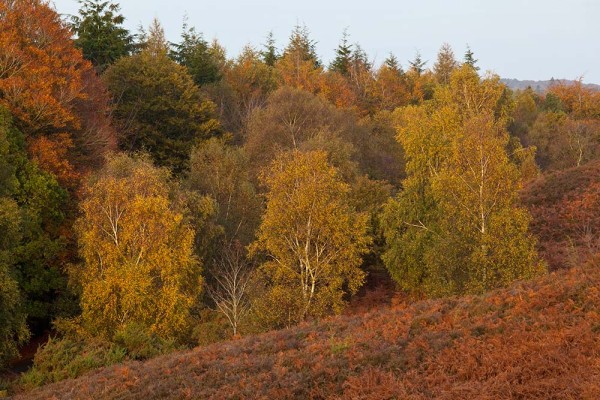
x,y
194,53
252,81
563,141
41,70
232,277
137,251
390,88
469,59
343,56
269,53
158,108
221,172
299,65
312,237
417,65
13,329
445,64
457,226
294,119
392,63
38,252
100,33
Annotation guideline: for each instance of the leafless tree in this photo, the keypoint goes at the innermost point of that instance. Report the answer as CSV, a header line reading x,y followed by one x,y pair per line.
x,y
231,278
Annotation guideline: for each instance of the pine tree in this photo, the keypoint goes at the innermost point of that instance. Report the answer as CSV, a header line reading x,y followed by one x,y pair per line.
x,y
470,59
301,47
194,53
269,54
100,32
393,64
417,65
343,56
159,109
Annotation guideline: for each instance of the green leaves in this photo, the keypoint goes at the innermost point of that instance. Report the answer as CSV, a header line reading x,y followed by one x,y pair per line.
x,y
457,226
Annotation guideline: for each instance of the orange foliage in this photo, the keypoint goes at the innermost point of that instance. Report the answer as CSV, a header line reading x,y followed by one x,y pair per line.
x,y
536,340
565,206
336,89
298,73
50,153
390,89
40,68
577,100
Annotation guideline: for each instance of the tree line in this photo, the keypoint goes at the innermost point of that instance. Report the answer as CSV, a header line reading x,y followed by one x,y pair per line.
x,y
157,195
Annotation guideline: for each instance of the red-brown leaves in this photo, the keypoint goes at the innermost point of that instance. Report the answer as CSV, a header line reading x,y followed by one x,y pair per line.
x,y
50,153
539,340
40,69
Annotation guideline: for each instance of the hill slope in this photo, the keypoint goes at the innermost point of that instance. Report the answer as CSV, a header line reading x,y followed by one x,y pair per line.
x,y
537,340
542,86
565,210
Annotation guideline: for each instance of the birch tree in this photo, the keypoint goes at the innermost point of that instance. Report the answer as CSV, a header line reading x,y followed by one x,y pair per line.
x,y
232,276
457,226
312,237
137,250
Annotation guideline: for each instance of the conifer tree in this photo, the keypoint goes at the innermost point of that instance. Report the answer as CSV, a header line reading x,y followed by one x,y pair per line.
x,y
469,59
100,32
158,107
269,53
417,65
393,64
445,64
343,56
194,53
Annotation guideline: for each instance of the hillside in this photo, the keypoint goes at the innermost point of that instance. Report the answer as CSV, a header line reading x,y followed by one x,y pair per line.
x,y
538,339
541,86
565,210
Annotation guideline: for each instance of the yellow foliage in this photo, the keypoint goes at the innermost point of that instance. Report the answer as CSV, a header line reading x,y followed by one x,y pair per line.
x,y
137,249
313,238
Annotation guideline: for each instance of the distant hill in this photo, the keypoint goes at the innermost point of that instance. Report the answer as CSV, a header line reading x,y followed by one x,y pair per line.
x,y
535,340
541,86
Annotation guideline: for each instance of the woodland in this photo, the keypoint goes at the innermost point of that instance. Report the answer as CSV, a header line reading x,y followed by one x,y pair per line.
x,y
281,228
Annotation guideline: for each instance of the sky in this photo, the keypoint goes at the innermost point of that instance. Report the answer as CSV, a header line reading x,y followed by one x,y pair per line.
x,y
520,39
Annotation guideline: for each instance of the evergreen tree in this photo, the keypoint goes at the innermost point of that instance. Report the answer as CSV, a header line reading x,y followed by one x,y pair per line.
x,y
445,64
100,32
360,59
470,59
158,106
33,203
269,54
393,64
195,53
417,65
301,47
343,56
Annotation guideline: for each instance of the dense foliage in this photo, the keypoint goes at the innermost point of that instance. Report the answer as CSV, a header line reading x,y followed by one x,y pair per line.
x,y
156,196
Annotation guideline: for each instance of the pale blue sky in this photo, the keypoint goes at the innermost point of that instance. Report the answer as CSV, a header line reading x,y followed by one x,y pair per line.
x,y
526,39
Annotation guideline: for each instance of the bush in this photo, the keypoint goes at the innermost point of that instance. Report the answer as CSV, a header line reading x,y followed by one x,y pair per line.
x,y
140,344
66,358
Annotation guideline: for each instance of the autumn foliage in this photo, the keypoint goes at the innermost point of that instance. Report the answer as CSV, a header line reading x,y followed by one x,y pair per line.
x,y
173,195
41,70
537,339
